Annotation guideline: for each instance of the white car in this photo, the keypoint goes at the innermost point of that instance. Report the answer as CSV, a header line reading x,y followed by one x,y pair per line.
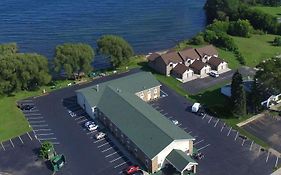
x,y
214,74
100,135
175,122
91,126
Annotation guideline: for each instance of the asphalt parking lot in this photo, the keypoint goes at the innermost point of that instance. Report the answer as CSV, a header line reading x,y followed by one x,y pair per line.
x,y
52,122
198,85
19,156
267,128
225,151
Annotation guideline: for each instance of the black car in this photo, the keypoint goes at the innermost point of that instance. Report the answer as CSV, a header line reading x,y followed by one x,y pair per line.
x,y
26,107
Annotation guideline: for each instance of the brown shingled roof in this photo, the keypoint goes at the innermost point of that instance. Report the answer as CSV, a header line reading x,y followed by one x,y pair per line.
x,y
180,68
215,61
207,50
153,56
171,57
197,65
189,53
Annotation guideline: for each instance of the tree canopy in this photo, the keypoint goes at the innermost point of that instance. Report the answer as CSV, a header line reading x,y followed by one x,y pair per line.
x,y
23,72
9,48
238,95
115,48
73,58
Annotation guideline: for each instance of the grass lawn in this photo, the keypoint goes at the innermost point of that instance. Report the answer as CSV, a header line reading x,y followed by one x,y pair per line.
x,y
275,11
257,48
12,120
135,62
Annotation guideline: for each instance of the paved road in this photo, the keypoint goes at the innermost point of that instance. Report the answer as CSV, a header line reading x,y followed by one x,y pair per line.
x,y
268,129
223,154
198,85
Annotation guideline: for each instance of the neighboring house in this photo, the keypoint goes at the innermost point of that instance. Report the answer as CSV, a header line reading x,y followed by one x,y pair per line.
x,y
183,73
121,105
218,64
164,63
226,90
200,68
207,52
189,55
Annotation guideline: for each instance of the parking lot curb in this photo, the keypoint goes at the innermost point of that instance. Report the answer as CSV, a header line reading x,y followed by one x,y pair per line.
x,y
250,120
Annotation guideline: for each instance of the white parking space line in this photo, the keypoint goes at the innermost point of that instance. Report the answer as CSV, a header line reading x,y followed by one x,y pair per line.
x,y
55,143
97,141
32,114
276,162
34,118
170,117
236,135
229,131
78,118
47,134
210,119
216,122
91,132
111,154
39,126
184,128
81,121
12,143
161,110
41,130
107,149
198,142
267,156
29,136
164,93
189,132
103,144
47,138
165,114
41,121
20,139
3,146
203,147
115,159
204,116
179,124
120,164
35,110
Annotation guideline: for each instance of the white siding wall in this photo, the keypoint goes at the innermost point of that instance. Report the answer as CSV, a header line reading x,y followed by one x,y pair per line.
x,y
182,145
85,105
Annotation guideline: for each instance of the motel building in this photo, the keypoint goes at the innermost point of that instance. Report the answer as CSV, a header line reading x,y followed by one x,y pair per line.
x,y
121,105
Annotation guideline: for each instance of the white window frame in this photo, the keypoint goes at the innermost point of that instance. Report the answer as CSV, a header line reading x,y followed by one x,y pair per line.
x,y
155,91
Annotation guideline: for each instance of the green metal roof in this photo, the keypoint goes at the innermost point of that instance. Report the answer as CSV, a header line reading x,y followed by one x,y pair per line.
x,y
143,125
132,83
179,159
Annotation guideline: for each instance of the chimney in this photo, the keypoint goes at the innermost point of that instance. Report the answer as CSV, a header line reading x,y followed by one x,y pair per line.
x,y
97,88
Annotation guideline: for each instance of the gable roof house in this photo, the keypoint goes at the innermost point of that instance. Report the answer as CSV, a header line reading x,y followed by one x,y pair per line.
x,y
218,64
189,55
164,63
145,132
183,73
207,52
200,68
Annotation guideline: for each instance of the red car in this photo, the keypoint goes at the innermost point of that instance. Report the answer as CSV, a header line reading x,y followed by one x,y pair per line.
x,y
132,169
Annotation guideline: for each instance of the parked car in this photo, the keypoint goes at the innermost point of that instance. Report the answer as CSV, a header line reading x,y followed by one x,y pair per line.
x,y
175,122
214,74
199,156
100,135
91,126
26,107
132,169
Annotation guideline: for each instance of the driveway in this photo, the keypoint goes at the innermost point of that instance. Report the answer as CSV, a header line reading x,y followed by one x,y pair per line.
x,y
196,86
226,152
267,128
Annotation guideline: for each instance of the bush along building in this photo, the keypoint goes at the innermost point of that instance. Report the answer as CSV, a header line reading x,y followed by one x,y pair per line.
x,y
188,64
121,105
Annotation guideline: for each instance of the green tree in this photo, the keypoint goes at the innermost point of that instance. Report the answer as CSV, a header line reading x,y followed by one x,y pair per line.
x,y
238,95
23,72
9,48
197,40
45,149
73,58
277,41
241,28
115,48
218,26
